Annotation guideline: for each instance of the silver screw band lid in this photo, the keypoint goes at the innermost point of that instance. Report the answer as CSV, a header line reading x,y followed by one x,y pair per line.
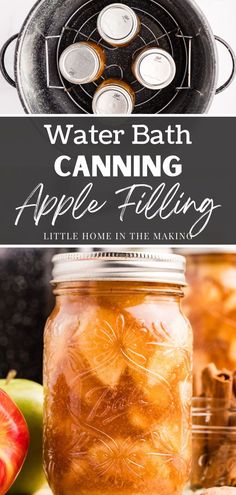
x,y
130,266
112,99
154,68
117,24
79,63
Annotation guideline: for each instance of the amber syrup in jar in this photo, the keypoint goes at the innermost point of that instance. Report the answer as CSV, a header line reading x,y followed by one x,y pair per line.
x,y
117,376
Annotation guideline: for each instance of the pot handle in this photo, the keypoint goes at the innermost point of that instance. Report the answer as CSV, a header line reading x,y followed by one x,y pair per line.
x,y
2,60
233,58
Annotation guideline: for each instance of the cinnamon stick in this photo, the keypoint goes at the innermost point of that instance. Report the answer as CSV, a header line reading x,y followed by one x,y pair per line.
x,y
234,389
218,386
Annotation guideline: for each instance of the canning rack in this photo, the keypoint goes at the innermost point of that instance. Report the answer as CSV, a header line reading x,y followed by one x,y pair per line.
x,y
170,37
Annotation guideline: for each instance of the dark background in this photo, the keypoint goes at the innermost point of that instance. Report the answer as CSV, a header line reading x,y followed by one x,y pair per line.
x,y
25,303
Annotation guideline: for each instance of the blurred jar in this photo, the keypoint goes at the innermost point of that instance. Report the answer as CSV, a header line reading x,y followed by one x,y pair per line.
x,y
117,376
214,444
210,304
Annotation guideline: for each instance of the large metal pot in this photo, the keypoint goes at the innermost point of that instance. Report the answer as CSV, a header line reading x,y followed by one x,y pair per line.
x,y
176,26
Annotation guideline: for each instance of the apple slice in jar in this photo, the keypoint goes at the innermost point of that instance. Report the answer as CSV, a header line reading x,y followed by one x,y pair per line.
x,y
110,342
185,393
169,427
169,435
123,461
99,344
172,364
151,409
177,447
169,363
169,366
65,447
57,334
58,401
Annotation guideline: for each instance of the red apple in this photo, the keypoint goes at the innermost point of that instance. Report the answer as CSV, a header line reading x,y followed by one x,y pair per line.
x,y
14,441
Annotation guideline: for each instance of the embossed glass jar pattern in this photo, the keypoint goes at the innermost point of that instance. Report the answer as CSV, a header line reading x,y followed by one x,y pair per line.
x,y
117,377
210,304
214,444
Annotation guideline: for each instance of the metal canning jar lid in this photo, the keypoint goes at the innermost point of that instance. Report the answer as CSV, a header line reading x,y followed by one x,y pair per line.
x,y
80,63
113,99
118,24
114,266
154,68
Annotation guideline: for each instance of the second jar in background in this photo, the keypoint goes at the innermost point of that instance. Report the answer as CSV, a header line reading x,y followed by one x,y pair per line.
x,y
211,307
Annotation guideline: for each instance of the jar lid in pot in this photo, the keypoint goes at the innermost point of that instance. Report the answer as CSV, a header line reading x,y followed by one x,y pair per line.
x,y
154,68
113,98
80,63
118,24
130,266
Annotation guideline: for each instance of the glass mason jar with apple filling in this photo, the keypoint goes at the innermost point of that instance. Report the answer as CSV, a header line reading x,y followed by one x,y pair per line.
x,y
210,304
117,376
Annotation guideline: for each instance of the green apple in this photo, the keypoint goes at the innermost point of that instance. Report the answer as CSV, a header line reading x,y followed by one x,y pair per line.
x,y
28,396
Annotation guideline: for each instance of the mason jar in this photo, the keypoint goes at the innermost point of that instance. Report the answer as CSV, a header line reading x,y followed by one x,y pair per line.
x,y
118,24
113,97
154,68
82,63
117,376
210,304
